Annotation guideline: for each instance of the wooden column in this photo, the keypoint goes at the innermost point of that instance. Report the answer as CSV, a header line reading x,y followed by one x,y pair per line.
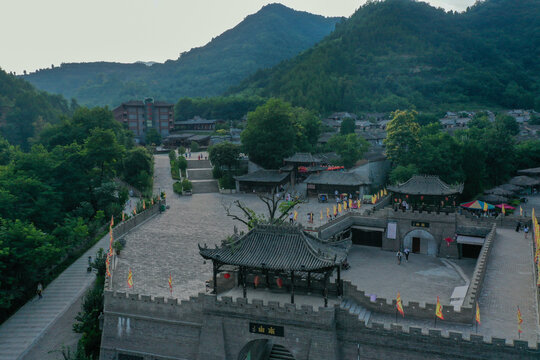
x,y
325,291
244,290
215,268
292,287
339,280
309,281
267,279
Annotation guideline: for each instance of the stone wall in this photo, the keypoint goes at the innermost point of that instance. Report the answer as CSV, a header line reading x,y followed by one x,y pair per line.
x,y
123,227
477,280
411,308
205,328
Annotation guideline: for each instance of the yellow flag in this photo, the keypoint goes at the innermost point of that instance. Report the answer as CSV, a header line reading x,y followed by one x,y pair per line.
x,y
503,211
339,207
123,216
438,310
130,279
399,305
385,192
335,210
519,320
477,317
344,205
520,211
321,215
144,205
350,203
485,207
358,203
327,212
295,215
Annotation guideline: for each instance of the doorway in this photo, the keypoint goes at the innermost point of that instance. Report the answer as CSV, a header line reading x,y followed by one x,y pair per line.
x,y
367,237
470,251
416,245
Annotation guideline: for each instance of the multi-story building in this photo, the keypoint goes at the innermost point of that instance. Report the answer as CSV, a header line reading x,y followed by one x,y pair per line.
x,y
140,116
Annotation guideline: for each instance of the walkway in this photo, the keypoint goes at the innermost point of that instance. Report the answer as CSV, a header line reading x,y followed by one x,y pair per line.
x,y
199,172
509,283
28,324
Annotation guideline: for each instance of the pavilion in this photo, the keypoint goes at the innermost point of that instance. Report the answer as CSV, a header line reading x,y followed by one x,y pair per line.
x,y
279,256
426,192
262,181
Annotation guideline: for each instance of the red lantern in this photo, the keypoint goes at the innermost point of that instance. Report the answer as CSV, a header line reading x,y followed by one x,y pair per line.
x,y
279,282
395,199
407,196
446,198
227,275
422,197
256,280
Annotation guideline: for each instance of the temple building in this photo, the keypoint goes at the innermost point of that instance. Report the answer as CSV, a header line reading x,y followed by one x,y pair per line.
x,y
140,116
262,181
328,182
426,193
279,258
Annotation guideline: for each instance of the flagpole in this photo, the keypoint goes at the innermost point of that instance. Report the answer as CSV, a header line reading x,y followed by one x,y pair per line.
x,y
477,327
435,321
396,315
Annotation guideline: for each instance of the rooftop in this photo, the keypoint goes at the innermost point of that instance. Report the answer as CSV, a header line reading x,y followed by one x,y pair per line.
x,y
263,176
336,178
426,185
275,247
141,103
302,158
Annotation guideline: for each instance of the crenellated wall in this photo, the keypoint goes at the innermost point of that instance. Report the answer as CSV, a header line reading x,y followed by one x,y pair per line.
x,y
205,328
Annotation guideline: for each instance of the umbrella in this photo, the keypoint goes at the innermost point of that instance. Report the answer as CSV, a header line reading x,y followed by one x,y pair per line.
x,y
499,191
494,198
506,206
509,187
477,204
524,181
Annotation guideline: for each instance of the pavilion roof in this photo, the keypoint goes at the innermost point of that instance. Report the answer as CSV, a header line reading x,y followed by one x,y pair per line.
x,y
302,158
531,171
426,185
524,181
277,247
266,176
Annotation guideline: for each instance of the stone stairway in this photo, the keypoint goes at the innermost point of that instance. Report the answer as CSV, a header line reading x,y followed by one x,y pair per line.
x,y
199,172
25,327
279,352
356,309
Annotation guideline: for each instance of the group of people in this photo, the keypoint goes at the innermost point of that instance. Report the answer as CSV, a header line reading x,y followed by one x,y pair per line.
x,y
399,255
525,228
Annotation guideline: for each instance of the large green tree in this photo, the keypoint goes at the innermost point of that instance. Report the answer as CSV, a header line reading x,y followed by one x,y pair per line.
x,y
350,148
402,137
269,135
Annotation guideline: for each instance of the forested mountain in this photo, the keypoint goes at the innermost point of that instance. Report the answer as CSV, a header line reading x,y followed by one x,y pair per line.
x,y
404,54
261,40
24,110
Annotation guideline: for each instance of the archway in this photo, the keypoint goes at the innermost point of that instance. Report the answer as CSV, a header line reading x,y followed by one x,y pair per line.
x,y
264,349
420,241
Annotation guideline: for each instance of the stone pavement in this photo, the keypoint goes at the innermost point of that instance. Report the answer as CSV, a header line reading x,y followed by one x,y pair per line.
x,y
26,326
421,279
509,283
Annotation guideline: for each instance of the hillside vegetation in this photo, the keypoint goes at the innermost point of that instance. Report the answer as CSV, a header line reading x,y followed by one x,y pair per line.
x,y
24,111
404,54
261,40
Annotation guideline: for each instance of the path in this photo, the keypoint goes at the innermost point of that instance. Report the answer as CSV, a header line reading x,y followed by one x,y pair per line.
x,y
22,330
199,172
509,283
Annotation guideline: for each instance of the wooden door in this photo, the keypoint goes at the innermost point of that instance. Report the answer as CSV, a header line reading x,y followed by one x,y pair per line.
x,y
416,245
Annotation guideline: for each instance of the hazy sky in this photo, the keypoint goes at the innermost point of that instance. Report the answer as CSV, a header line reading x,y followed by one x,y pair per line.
x,y
37,33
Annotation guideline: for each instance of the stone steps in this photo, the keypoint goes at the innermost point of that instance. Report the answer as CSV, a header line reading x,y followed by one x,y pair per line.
x,y
200,174
352,307
201,187
199,164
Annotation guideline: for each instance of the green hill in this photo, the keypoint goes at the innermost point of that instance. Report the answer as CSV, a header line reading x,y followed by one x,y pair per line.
x,y
401,54
25,110
261,40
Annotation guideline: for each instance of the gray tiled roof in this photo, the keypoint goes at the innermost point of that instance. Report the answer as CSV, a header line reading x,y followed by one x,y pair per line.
x,y
336,178
262,175
472,231
278,248
524,181
426,185
303,158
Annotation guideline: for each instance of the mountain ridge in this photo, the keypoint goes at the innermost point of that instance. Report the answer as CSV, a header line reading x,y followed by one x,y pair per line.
x,y
262,39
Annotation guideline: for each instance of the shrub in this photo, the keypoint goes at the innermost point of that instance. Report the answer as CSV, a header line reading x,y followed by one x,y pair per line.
x,y
117,246
217,173
194,146
172,156
177,187
227,182
181,150
186,185
182,163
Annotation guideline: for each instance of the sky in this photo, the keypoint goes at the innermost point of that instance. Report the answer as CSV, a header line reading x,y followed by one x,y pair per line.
x,y
36,34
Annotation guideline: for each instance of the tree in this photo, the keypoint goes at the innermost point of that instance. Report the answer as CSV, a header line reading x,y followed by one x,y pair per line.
x,y
194,146
153,137
307,126
269,135
349,147
402,137
507,123
401,173
224,154
347,126
137,168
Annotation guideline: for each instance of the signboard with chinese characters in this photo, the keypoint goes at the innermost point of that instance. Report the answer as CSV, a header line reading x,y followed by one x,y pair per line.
x,y
420,224
266,329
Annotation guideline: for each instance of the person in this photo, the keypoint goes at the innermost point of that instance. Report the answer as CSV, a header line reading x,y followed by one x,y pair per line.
x,y
291,218
399,256
407,252
39,290
518,226
526,231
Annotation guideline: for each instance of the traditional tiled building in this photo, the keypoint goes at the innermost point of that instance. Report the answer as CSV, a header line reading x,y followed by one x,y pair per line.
x,y
140,116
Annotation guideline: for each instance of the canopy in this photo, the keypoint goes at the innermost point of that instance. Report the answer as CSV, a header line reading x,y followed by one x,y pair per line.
x,y
506,206
477,204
